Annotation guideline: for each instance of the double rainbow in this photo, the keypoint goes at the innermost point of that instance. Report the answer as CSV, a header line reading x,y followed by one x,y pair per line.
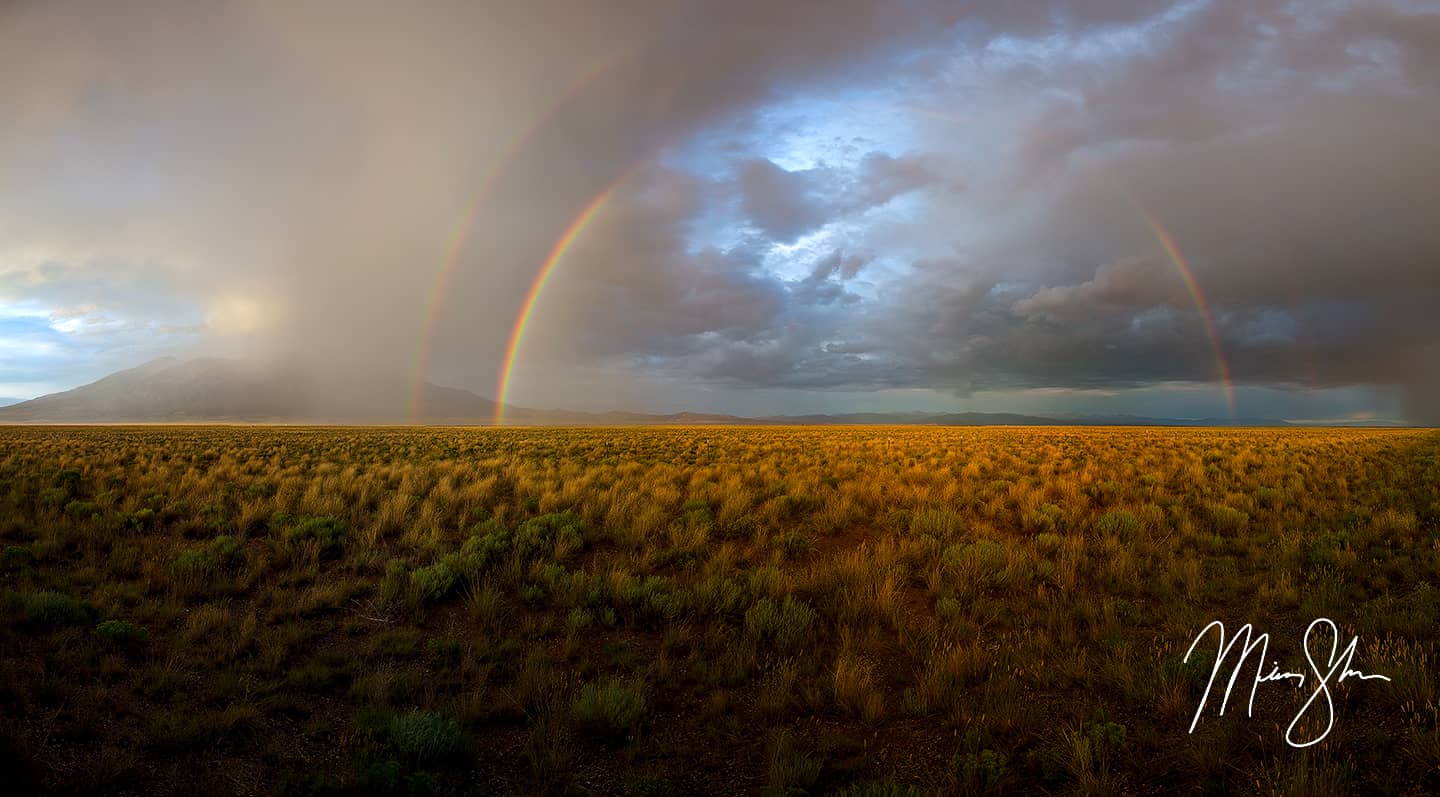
x,y
465,228
593,207
562,245
460,240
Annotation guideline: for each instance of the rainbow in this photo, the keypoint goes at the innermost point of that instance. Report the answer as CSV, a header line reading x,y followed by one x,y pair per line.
x,y
562,245
460,238
1167,241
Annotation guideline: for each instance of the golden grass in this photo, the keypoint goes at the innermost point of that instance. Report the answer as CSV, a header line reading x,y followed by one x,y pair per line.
x,y
957,610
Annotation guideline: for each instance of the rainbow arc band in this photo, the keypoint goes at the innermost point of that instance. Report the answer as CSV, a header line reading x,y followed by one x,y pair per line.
x,y
460,240
593,207
1172,250
465,229
557,252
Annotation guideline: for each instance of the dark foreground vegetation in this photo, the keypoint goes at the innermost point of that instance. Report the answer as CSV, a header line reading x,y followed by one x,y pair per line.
x,y
878,611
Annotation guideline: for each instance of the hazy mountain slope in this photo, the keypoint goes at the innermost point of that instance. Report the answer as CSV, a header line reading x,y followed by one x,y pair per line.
x,y
169,389
213,389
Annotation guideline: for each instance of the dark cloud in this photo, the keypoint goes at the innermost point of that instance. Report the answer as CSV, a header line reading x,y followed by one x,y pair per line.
x,y
786,205
293,179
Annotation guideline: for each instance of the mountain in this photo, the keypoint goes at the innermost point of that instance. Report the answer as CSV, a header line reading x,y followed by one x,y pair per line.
x,y
212,389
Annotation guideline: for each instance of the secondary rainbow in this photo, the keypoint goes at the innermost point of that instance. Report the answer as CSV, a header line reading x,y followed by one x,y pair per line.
x,y
557,252
460,238
1167,242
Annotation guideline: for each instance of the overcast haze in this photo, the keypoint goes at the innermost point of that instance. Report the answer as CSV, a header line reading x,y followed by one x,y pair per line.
x,y
829,206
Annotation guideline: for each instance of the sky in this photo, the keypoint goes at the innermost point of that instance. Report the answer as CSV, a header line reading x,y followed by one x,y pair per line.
x,y
1195,209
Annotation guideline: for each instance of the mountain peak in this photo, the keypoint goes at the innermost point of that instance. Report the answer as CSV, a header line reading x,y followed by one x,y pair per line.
x,y
169,389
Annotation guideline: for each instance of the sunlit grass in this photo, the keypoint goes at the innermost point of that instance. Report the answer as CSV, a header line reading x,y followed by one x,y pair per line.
x,y
714,610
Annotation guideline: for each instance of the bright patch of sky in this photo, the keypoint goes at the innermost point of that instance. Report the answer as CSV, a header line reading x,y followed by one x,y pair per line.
x,y
796,134
796,261
44,349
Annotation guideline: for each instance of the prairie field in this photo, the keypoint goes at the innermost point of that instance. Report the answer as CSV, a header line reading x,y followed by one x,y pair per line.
x,y
708,610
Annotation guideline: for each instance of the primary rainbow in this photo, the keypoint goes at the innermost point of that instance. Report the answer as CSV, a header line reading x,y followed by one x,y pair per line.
x,y
567,238
1167,241
460,238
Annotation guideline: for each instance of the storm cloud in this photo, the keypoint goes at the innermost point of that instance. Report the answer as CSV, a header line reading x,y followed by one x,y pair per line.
x,y
847,197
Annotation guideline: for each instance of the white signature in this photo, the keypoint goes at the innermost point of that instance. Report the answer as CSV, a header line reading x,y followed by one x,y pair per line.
x,y
1336,668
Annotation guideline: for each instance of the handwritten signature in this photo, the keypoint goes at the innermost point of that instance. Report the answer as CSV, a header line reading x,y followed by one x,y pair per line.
x,y
1336,668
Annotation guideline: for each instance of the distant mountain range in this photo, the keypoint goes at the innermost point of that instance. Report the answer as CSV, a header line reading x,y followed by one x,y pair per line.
x,y
214,390
218,390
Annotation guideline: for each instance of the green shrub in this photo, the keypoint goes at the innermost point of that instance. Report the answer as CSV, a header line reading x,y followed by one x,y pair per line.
x,y
1269,497
1195,672
426,736
138,520
432,583
1105,492
579,619
742,527
196,563
794,545
651,598
784,625
939,523
396,583
480,552
796,505
67,480
1118,523
697,513
328,531
1323,551
983,556
949,609
227,549
207,560
1105,737
1048,543
554,535
532,594
1226,519
1047,518
611,709
121,633
55,609
54,497
719,596
982,770
81,510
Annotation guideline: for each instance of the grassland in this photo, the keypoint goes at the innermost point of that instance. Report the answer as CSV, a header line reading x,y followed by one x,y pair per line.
x,y
882,611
